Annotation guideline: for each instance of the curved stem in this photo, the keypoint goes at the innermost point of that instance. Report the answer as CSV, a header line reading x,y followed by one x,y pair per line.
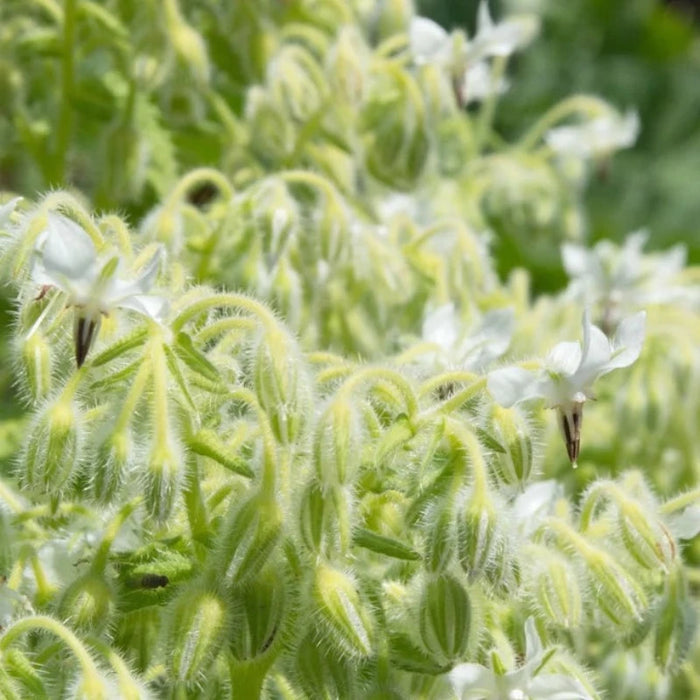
x,y
238,301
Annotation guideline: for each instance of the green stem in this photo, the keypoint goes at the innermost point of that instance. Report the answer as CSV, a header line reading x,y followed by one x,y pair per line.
x,y
238,301
488,108
247,680
681,501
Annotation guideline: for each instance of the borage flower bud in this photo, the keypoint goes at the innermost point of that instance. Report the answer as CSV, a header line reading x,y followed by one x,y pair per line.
x,y
88,603
163,478
515,462
444,618
340,608
281,384
477,532
247,539
110,465
35,358
258,612
314,518
196,627
319,666
53,448
337,453
645,537
347,65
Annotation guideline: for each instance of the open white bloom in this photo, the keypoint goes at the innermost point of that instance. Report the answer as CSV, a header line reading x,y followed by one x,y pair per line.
x,y
479,83
66,258
528,682
429,42
500,39
622,278
566,379
468,348
596,139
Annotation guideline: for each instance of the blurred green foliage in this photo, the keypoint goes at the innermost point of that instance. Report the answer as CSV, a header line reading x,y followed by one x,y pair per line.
x,y
643,54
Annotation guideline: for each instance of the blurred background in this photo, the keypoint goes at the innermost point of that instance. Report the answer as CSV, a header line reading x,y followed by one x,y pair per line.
x,y
638,54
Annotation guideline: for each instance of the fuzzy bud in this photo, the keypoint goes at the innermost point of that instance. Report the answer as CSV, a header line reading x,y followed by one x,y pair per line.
x,y
347,66
515,462
53,448
445,618
36,363
440,542
258,612
314,518
247,539
196,630
645,537
281,384
342,612
477,532
88,603
338,453
164,473
318,667
109,466
296,82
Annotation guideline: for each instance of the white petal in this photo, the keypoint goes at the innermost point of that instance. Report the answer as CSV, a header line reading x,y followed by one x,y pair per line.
x,y
67,252
511,385
429,42
576,259
154,307
686,525
441,327
148,274
533,643
535,503
595,354
472,680
556,686
628,341
564,358
7,209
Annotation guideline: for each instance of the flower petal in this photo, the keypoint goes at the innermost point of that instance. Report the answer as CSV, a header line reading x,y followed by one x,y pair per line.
x,y
511,385
557,686
628,341
429,42
686,525
472,680
595,354
7,209
564,358
533,643
150,305
67,252
440,327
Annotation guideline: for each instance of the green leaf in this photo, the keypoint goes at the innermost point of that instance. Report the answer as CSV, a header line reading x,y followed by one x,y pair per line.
x,y
383,545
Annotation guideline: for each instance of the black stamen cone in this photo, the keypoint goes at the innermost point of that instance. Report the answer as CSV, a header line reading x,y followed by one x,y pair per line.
x,y
85,332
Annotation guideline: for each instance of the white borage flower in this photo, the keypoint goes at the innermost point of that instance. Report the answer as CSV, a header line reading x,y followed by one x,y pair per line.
x,y
566,379
66,258
528,682
468,348
479,83
596,139
623,278
502,39
429,42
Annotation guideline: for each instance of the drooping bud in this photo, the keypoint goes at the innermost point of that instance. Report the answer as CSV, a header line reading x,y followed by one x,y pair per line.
x,y
196,628
515,462
477,532
164,474
440,542
342,612
319,666
645,537
53,448
247,539
258,612
315,519
88,603
337,453
36,363
281,384
445,617
110,466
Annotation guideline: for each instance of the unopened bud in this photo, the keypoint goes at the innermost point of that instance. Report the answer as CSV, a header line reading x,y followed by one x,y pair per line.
x,y
281,384
347,66
196,630
337,453
296,82
88,603
477,533
258,611
318,666
516,461
445,617
645,537
440,543
163,479
110,466
53,448
247,539
36,363
342,611
314,518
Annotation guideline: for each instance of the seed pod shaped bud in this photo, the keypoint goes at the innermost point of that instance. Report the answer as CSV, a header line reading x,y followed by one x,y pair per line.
x,y
477,532
53,449
645,537
18,666
444,617
337,448
272,133
110,466
555,587
281,384
315,518
440,542
296,82
342,612
347,66
618,594
258,611
196,628
36,365
395,133
677,622
88,603
247,539
515,462
323,673
163,479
